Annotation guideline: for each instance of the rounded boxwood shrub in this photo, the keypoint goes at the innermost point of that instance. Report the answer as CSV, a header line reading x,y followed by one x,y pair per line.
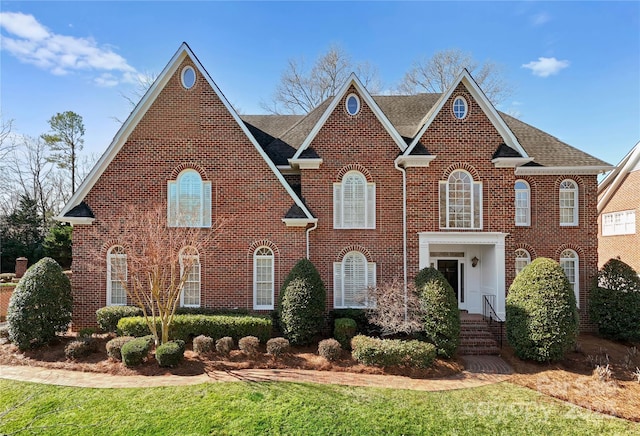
x,y
277,346
542,319
441,316
344,329
614,305
114,346
135,351
249,345
392,352
81,347
170,353
108,317
330,349
40,305
225,345
303,300
203,344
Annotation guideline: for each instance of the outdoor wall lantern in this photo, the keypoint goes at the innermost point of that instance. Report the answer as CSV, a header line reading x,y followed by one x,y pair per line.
x,y
474,261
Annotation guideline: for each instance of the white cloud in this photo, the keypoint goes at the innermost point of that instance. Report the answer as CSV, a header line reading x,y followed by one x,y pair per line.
x,y
540,19
34,44
545,67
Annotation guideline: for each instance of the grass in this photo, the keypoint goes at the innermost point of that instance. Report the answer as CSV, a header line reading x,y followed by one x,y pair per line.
x,y
292,408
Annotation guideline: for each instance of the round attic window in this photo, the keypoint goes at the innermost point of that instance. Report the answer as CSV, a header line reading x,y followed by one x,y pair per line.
x,y
188,77
352,104
460,108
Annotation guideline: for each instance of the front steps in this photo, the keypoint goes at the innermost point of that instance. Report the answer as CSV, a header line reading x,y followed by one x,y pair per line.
x,y
475,336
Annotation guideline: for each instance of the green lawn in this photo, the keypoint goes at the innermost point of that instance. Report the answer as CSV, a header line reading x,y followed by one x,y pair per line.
x,y
291,408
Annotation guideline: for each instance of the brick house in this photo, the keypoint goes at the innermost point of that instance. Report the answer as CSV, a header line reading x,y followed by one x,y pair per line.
x,y
618,206
370,188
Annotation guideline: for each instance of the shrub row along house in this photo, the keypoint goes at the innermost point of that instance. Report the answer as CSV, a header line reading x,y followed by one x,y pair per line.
x,y
369,188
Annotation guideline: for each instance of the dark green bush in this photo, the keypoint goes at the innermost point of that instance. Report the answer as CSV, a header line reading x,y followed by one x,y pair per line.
x,y
614,305
441,319
108,317
114,346
170,353
359,316
80,348
392,352
330,349
249,345
203,344
135,351
86,332
344,330
542,320
225,345
277,346
303,301
40,305
185,327
210,311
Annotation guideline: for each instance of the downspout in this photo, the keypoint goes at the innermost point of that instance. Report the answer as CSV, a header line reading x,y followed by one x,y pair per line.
x,y
404,232
315,226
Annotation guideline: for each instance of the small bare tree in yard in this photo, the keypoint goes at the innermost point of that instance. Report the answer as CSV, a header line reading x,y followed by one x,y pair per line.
x,y
154,263
395,311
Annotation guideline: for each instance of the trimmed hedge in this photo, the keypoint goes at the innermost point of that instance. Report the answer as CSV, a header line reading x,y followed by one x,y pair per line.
x,y
614,305
170,353
249,345
224,346
359,316
344,330
330,349
81,347
277,346
135,351
215,326
108,317
392,352
542,319
203,344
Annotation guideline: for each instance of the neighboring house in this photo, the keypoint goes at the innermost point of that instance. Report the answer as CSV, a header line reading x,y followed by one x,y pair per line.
x,y
370,188
618,209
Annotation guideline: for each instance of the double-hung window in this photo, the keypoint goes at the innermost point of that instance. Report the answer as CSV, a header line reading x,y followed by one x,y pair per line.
x,y
523,258
569,263
189,200
523,203
116,276
568,203
460,202
619,223
263,279
190,272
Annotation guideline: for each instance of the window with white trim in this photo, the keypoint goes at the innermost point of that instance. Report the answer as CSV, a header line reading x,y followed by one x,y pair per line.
x,y
570,263
116,276
190,271
619,223
568,203
354,202
263,278
460,202
460,107
352,279
523,203
523,258
189,200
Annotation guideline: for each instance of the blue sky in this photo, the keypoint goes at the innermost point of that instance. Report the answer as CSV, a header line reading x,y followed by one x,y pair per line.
x,y
575,66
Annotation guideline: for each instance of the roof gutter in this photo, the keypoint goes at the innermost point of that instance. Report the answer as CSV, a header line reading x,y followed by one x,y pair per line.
x,y
315,226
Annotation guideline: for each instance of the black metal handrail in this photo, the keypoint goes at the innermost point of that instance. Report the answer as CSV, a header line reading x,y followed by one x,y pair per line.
x,y
489,314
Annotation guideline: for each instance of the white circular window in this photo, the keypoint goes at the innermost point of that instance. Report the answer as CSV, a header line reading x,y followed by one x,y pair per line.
x,y
188,77
460,107
352,104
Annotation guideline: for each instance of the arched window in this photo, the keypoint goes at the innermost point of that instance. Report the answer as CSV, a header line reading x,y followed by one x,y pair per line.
x,y
460,202
116,276
354,202
569,263
352,279
263,278
568,203
523,203
189,200
523,258
190,272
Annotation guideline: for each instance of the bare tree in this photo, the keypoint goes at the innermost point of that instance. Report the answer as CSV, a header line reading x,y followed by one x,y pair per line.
x,y
395,311
142,85
301,90
6,144
65,141
158,262
437,73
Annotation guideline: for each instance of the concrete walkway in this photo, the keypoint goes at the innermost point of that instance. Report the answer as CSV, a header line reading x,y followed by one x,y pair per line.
x,y
466,379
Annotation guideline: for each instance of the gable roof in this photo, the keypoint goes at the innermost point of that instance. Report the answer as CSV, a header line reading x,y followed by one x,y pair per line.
x,y
184,51
610,184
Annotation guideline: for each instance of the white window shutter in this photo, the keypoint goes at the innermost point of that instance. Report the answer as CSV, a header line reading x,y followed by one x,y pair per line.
x,y
337,284
371,282
337,206
443,204
172,203
371,206
206,204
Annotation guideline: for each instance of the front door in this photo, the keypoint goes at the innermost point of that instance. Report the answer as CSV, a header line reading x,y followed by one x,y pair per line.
x,y
450,269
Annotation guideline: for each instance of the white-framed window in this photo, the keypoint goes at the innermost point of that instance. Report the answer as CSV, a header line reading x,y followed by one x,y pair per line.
x,y
116,276
354,202
619,223
570,264
352,104
263,279
189,200
568,203
352,279
190,270
460,202
523,258
188,77
460,107
523,203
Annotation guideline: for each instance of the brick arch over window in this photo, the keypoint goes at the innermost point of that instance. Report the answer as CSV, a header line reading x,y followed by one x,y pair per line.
x,y
354,167
529,248
350,248
188,166
104,249
575,178
460,166
573,247
263,243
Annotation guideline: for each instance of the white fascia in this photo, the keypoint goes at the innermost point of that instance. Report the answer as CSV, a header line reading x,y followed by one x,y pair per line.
x,y
510,162
299,222
559,171
415,161
74,220
306,164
